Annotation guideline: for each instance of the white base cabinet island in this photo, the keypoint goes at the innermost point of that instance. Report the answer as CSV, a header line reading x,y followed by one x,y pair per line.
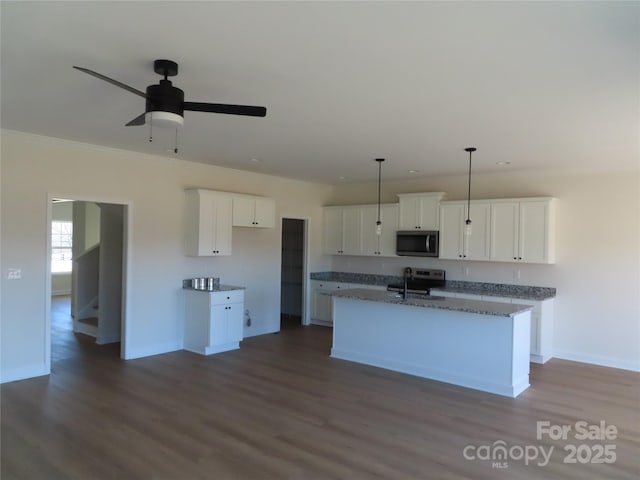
x,y
475,344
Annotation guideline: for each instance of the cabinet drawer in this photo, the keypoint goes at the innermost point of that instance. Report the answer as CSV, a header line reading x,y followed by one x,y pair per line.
x,y
232,296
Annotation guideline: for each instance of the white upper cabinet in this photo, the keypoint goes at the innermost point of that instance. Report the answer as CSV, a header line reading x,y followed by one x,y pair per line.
x,y
384,244
250,211
454,244
342,231
420,211
451,230
523,230
351,230
332,231
502,230
209,215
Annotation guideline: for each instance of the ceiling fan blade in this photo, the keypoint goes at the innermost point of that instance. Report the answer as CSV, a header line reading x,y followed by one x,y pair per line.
x,y
139,120
112,81
225,108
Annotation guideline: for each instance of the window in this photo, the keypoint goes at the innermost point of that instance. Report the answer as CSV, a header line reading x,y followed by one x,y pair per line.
x,y
61,241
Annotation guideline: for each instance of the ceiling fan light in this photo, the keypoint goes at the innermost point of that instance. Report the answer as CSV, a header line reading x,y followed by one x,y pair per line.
x,y
164,119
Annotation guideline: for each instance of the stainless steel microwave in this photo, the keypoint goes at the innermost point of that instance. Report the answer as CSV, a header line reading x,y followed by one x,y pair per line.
x,y
417,243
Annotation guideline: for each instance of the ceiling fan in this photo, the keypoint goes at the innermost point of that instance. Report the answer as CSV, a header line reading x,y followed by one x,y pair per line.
x,y
165,105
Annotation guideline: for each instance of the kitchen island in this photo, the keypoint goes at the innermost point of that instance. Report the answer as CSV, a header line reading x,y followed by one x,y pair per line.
x,y
472,343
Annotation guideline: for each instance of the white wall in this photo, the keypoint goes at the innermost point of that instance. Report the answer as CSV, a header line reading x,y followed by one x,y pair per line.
x,y
33,167
597,274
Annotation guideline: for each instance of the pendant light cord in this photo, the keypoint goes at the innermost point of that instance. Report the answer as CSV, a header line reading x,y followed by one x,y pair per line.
x,y
379,186
469,192
468,220
379,160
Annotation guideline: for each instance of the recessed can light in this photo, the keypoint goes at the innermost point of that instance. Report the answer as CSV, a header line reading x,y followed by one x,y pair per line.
x,y
413,171
503,163
341,178
256,160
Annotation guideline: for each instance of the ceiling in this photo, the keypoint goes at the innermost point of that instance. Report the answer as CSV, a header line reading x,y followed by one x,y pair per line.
x,y
548,86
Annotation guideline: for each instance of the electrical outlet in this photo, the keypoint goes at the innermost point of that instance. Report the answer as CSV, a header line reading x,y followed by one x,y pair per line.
x,y
14,273
248,317
516,274
466,271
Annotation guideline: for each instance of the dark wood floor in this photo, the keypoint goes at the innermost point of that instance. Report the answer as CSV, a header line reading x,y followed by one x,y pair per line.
x,y
281,408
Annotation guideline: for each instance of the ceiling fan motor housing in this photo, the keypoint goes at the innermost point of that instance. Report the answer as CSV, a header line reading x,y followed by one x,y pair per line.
x,y
165,98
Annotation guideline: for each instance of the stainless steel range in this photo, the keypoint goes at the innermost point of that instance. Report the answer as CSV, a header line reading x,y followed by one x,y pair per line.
x,y
419,281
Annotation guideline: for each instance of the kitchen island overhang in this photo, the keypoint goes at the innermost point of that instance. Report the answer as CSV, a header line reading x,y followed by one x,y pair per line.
x,y
471,343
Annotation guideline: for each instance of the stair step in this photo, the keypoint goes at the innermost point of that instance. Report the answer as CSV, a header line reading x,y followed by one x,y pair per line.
x,y
90,321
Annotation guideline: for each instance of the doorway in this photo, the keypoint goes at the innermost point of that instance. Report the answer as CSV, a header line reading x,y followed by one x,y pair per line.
x,y
86,298
292,273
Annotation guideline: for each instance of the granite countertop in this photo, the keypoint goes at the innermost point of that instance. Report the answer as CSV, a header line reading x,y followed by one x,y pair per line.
x,y
443,303
523,292
219,288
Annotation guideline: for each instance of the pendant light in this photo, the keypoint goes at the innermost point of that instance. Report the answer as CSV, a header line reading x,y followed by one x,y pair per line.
x,y
379,222
467,222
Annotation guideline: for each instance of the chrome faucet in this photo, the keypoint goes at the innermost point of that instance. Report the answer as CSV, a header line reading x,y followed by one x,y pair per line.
x,y
407,274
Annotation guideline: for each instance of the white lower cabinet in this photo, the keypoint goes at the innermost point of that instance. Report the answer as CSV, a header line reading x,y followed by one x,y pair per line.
x,y
321,310
213,321
541,321
321,305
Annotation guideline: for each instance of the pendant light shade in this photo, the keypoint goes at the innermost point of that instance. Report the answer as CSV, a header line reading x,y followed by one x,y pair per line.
x,y
379,222
467,222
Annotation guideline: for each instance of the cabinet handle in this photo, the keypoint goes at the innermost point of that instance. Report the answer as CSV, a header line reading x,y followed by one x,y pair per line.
x,y
514,258
460,256
519,258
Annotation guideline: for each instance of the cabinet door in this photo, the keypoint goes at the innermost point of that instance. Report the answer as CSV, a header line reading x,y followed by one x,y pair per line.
x,y
352,230
451,228
206,243
428,213
265,213
409,213
370,240
322,303
235,317
332,231
533,232
387,240
243,211
476,245
218,325
504,231
222,225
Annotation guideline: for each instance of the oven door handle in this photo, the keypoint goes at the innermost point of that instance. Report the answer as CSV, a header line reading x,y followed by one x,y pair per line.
x,y
426,246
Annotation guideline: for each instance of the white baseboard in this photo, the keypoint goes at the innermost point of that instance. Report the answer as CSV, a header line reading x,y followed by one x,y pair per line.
x,y
150,350
264,331
597,360
56,293
21,373
508,390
